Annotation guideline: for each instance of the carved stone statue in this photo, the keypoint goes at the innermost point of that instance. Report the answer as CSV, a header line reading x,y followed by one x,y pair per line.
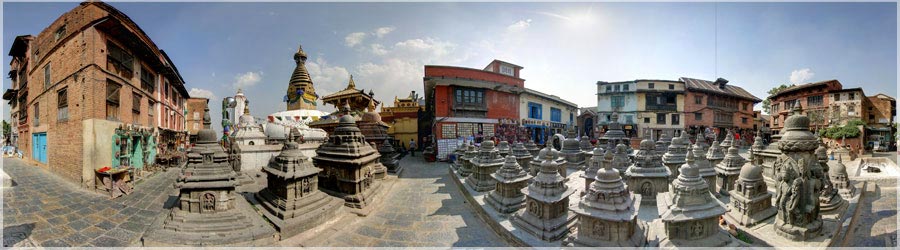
x,y
798,189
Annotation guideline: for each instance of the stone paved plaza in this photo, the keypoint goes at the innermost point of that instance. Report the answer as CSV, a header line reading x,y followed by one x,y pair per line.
x,y
424,208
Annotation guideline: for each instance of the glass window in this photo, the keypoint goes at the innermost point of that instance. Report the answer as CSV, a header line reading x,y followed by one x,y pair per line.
x,y
136,102
608,88
744,120
698,99
698,116
814,101
837,97
617,87
148,80
671,86
851,96
555,115
650,85
646,119
676,119
535,110
617,101
62,104
119,61
37,114
625,87
660,118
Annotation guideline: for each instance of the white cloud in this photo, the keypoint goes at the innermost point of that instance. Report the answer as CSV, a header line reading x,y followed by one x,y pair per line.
x,y
195,92
378,49
427,48
354,38
326,77
247,79
801,75
519,26
380,32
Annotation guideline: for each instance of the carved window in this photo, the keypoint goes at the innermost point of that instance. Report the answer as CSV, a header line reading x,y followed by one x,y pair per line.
x,y
148,80
119,61
112,100
62,104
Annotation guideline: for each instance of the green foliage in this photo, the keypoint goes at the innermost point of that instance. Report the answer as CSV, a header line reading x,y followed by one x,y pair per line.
x,y
743,237
766,102
850,130
6,128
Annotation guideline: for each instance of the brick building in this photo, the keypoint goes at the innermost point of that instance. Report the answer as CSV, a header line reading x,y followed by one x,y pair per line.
x,y
403,118
194,108
716,106
18,75
880,115
457,101
92,70
813,97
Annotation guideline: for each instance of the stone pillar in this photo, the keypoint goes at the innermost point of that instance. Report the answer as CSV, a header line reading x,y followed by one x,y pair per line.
x,y
546,214
507,197
797,188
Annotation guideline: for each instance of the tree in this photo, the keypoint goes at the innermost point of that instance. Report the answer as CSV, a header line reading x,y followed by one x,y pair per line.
x,y
6,129
766,102
851,130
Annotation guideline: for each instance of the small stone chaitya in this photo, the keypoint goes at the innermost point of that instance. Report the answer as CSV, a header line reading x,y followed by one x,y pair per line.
x,y
607,214
378,169
675,153
348,165
838,173
389,157
209,212
585,144
532,148
647,175
596,163
465,167
707,171
727,171
292,200
662,143
751,201
523,157
546,214
797,188
689,214
571,151
715,154
729,139
507,197
486,163
503,148
620,159
829,199
614,132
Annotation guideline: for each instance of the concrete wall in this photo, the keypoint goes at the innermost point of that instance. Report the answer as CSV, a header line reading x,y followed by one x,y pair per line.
x,y
565,110
97,145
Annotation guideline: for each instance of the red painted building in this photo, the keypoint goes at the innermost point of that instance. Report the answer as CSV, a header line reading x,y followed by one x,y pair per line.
x,y
467,102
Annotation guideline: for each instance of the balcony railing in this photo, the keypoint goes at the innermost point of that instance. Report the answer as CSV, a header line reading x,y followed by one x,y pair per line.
x,y
662,107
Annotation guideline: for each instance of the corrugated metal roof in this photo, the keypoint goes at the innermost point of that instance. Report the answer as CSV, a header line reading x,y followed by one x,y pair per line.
x,y
708,86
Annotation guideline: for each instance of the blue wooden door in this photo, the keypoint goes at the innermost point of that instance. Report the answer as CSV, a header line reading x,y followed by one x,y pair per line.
x,y
39,147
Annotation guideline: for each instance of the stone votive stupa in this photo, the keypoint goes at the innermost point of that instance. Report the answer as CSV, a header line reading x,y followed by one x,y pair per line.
x,y
465,167
503,148
614,131
751,201
292,200
209,212
523,157
508,198
389,157
620,159
675,153
348,165
571,152
707,171
727,171
797,189
838,173
728,141
378,169
546,215
829,199
689,214
607,214
715,154
758,145
532,148
594,164
662,143
701,142
486,163
647,175
586,147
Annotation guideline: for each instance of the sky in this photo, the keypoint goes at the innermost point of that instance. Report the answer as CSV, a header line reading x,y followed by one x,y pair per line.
x,y
565,48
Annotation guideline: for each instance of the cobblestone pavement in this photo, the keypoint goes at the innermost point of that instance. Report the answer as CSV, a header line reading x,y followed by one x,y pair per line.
x,y
424,209
45,210
877,226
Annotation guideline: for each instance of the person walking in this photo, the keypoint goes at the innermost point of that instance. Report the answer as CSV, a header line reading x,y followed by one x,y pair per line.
x,y
412,147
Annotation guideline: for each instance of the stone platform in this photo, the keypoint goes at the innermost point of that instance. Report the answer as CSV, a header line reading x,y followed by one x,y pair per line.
x,y
501,223
834,231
